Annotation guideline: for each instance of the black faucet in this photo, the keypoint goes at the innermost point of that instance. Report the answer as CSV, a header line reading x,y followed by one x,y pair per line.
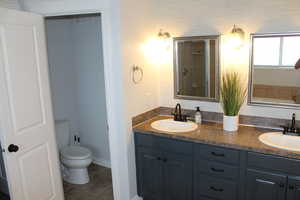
x,y
178,116
291,129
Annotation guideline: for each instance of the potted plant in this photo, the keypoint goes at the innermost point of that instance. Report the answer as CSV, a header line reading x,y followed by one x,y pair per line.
x,y
233,94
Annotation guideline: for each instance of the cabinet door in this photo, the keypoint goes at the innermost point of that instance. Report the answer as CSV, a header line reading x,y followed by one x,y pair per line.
x,y
293,190
265,186
178,176
149,168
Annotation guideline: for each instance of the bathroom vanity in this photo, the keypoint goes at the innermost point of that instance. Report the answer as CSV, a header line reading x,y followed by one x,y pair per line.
x,y
209,164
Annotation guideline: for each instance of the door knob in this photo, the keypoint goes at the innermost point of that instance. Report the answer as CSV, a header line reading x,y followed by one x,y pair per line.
x,y
13,148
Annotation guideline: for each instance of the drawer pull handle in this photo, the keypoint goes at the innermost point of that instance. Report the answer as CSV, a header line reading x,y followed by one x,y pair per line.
x,y
165,160
216,170
217,154
216,189
158,158
291,187
281,185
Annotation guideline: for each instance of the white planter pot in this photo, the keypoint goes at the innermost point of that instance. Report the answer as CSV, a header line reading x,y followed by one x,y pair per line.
x,y
231,123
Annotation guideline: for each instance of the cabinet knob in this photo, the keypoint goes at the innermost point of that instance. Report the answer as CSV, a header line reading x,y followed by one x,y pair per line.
x,y
291,187
158,158
216,189
217,154
281,185
216,170
13,148
165,160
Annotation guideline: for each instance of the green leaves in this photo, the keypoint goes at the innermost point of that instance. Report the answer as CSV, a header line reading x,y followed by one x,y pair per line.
x,y
233,93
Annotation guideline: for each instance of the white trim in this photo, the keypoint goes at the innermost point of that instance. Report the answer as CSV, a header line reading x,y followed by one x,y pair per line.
x,y
102,162
113,90
136,197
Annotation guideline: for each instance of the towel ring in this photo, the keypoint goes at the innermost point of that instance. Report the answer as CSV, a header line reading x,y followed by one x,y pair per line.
x,y
136,70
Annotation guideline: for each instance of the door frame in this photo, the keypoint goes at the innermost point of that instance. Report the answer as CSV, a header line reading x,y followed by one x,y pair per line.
x,y
113,120
114,101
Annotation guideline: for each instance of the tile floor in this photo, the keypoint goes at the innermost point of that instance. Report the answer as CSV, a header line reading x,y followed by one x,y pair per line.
x,y
99,187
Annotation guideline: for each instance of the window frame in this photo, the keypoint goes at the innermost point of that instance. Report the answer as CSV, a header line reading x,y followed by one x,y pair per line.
x,y
250,100
280,59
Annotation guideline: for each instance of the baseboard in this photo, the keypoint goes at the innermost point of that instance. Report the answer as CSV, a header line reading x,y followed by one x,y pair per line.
x,y
136,197
102,162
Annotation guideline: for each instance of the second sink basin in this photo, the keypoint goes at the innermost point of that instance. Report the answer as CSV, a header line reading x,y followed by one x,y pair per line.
x,y
281,141
169,125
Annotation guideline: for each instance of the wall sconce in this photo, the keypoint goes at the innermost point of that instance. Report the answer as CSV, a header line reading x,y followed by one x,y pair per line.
x,y
165,38
237,37
157,49
164,35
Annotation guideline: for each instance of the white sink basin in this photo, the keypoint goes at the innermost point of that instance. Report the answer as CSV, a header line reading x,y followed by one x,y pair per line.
x,y
169,125
278,140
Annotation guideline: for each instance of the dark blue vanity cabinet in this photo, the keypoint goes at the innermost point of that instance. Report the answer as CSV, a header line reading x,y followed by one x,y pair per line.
x,y
171,169
272,177
264,185
164,168
216,172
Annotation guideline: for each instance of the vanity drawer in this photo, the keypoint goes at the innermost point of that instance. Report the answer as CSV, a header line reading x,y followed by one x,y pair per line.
x,y
215,188
217,153
276,163
217,169
175,146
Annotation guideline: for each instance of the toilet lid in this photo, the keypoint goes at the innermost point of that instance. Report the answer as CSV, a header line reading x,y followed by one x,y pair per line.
x,y
76,152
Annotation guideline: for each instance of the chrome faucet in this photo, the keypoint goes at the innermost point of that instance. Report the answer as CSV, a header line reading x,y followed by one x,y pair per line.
x,y
178,116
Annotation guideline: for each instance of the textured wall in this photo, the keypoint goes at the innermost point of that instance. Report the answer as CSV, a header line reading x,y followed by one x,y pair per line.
x,y
12,4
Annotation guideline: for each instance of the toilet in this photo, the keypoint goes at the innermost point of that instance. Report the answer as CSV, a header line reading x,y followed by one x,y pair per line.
x,y
74,159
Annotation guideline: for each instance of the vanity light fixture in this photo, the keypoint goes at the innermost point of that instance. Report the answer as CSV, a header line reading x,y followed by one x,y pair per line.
x,y
163,35
237,37
165,38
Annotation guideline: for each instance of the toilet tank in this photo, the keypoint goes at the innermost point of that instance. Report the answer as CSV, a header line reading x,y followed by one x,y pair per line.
x,y
62,131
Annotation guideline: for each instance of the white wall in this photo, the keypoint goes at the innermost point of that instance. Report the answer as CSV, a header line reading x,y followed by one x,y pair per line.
x,y
88,57
63,74
120,121
193,17
11,4
278,77
77,80
137,27
132,22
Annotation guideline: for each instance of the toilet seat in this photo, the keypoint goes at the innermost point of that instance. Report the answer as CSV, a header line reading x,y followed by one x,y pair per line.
x,y
76,153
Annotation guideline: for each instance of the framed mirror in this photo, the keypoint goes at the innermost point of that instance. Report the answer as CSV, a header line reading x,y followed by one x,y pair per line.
x,y
274,77
196,68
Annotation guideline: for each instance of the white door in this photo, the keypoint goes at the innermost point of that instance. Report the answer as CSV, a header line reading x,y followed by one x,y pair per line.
x,y
25,109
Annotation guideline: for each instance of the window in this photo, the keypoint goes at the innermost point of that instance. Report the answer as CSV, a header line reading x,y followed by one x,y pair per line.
x,y
283,51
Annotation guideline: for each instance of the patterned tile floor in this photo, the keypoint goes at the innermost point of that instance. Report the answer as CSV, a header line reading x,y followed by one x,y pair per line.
x,y
99,187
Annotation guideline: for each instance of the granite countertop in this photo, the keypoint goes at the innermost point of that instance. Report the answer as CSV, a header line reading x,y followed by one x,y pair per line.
x,y
246,138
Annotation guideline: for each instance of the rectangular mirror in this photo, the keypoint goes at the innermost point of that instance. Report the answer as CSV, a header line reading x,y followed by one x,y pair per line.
x,y
196,68
274,77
